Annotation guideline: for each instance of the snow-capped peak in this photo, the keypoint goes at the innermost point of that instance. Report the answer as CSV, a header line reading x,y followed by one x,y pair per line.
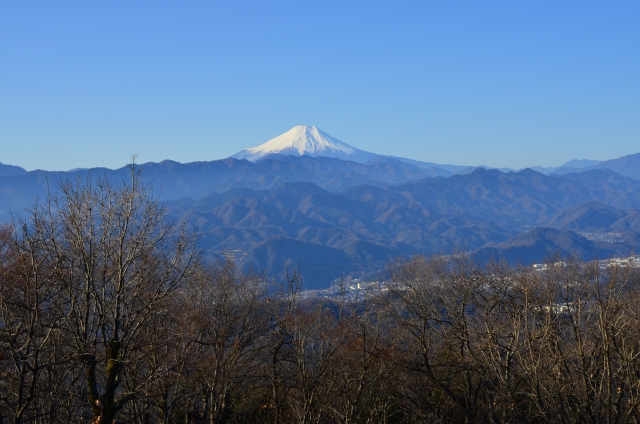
x,y
305,140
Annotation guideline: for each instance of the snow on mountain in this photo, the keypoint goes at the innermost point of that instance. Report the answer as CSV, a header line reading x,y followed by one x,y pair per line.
x,y
305,140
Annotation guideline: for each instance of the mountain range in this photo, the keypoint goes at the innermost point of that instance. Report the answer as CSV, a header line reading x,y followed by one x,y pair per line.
x,y
362,227
305,199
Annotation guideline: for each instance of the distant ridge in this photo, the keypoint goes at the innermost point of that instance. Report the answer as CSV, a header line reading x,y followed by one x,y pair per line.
x,y
580,163
305,140
628,166
6,170
543,242
198,179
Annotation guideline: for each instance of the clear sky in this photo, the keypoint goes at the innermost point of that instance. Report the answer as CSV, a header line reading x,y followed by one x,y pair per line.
x,y
497,83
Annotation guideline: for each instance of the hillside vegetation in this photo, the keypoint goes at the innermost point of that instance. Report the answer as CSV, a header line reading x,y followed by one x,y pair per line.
x,y
108,313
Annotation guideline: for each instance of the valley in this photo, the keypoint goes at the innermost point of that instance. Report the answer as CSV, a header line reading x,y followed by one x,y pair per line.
x,y
308,201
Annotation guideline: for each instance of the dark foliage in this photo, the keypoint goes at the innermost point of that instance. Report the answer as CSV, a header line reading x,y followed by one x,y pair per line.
x,y
107,315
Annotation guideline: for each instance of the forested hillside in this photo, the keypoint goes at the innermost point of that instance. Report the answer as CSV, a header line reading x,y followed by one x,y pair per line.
x,y
358,230
333,218
108,313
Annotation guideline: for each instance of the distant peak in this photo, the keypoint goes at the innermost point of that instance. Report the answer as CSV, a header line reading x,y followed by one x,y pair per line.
x,y
305,140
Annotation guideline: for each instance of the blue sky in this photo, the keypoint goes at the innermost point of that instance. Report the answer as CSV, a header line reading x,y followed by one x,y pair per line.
x,y
497,83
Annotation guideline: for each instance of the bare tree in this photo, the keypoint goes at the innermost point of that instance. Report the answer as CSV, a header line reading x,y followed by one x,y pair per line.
x,y
106,310
229,329
30,316
278,356
367,365
116,259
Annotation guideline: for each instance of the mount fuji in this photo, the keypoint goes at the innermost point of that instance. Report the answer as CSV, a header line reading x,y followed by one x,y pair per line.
x,y
306,140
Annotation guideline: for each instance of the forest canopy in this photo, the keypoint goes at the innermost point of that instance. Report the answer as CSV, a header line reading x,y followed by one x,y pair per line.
x,y
108,313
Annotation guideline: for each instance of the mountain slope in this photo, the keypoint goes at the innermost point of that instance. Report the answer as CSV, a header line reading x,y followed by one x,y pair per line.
x,y
319,264
538,243
173,180
10,170
598,222
589,216
580,163
362,227
519,200
628,166
305,140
